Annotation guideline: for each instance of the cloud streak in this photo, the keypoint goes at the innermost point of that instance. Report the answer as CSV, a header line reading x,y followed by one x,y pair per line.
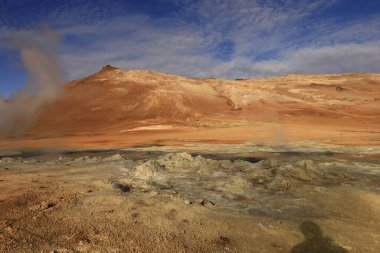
x,y
345,58
262,38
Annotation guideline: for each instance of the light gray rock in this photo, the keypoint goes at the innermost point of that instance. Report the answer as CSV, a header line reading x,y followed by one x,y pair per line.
x,y
8,159
149,171
115,157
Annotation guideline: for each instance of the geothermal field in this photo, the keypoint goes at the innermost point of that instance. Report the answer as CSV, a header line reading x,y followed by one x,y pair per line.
x,y
142,161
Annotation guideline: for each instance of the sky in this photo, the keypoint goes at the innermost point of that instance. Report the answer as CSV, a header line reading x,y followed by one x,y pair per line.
x,y
197,38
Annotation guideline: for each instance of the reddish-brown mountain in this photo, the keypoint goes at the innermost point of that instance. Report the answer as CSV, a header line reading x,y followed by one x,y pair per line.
x,y
138,106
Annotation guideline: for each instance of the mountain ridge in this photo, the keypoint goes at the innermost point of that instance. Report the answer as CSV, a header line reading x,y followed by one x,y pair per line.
x,y
125,102
149,95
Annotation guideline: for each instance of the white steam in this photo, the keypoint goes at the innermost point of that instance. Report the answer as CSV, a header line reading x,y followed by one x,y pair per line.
x,y
39,52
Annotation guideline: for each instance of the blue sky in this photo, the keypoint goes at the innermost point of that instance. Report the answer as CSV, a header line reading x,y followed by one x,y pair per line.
x,y
198,38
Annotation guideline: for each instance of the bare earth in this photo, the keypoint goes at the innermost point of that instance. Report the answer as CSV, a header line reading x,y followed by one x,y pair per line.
x,y
140,161
181,203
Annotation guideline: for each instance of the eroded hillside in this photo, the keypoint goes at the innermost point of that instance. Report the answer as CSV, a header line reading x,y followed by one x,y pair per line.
x,y
140,106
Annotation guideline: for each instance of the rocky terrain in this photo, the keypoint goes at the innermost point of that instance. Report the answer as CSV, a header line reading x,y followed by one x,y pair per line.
x,y
139,201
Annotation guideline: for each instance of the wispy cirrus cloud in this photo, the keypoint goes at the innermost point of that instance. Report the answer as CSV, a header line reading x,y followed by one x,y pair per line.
x,y
137,42
255,27
229,39
328,59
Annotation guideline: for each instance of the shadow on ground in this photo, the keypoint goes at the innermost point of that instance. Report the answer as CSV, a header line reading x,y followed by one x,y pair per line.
x,y
315,242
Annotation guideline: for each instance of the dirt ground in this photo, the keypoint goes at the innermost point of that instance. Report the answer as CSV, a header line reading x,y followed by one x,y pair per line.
x,y
83,204
257,132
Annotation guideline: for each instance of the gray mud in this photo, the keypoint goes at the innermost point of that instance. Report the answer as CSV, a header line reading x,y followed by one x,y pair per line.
x,y
276,184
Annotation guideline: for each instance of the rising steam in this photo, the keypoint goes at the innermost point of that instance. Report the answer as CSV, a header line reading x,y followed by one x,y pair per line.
x,y
39,52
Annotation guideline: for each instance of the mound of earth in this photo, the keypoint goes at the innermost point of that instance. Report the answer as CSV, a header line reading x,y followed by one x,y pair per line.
x,y
227,181
116,107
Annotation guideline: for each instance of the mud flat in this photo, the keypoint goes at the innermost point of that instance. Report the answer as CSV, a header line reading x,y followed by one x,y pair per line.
x,y
195,198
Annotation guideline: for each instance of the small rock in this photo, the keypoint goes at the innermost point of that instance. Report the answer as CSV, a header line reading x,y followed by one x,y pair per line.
x,y
153,193
304,175
82,159
187,202
207,203
122,187
8,159
30,161
46,205
114,157
149,170
173,192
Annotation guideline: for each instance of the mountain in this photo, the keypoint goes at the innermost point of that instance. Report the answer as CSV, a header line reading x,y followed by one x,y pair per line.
x,y
115,98
123,102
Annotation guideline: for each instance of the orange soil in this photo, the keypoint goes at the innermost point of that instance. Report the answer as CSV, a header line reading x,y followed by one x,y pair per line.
x,y
118,108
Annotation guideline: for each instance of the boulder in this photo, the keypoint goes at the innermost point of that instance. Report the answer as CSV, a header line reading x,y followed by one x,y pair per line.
x,y
149,171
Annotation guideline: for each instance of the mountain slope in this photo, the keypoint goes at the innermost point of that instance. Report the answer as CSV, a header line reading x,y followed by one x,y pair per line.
x,y
136,104
130,98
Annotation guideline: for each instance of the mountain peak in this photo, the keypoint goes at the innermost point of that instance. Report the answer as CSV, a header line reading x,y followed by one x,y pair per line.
x,y
108,68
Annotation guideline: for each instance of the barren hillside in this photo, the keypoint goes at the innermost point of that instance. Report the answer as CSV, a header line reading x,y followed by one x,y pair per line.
x,y
123,102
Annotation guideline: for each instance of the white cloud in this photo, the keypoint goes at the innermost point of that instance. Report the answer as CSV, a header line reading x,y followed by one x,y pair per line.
x,y
268,38
137,42
256,27
329,59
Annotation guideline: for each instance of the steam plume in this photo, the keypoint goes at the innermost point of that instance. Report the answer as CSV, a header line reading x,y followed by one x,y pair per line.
x,y
39,52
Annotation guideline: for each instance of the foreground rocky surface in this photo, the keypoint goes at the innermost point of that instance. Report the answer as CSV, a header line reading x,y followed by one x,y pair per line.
x,y
178,202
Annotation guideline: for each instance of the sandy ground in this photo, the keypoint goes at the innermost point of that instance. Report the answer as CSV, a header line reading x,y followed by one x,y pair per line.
x,y
256,132
94,204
